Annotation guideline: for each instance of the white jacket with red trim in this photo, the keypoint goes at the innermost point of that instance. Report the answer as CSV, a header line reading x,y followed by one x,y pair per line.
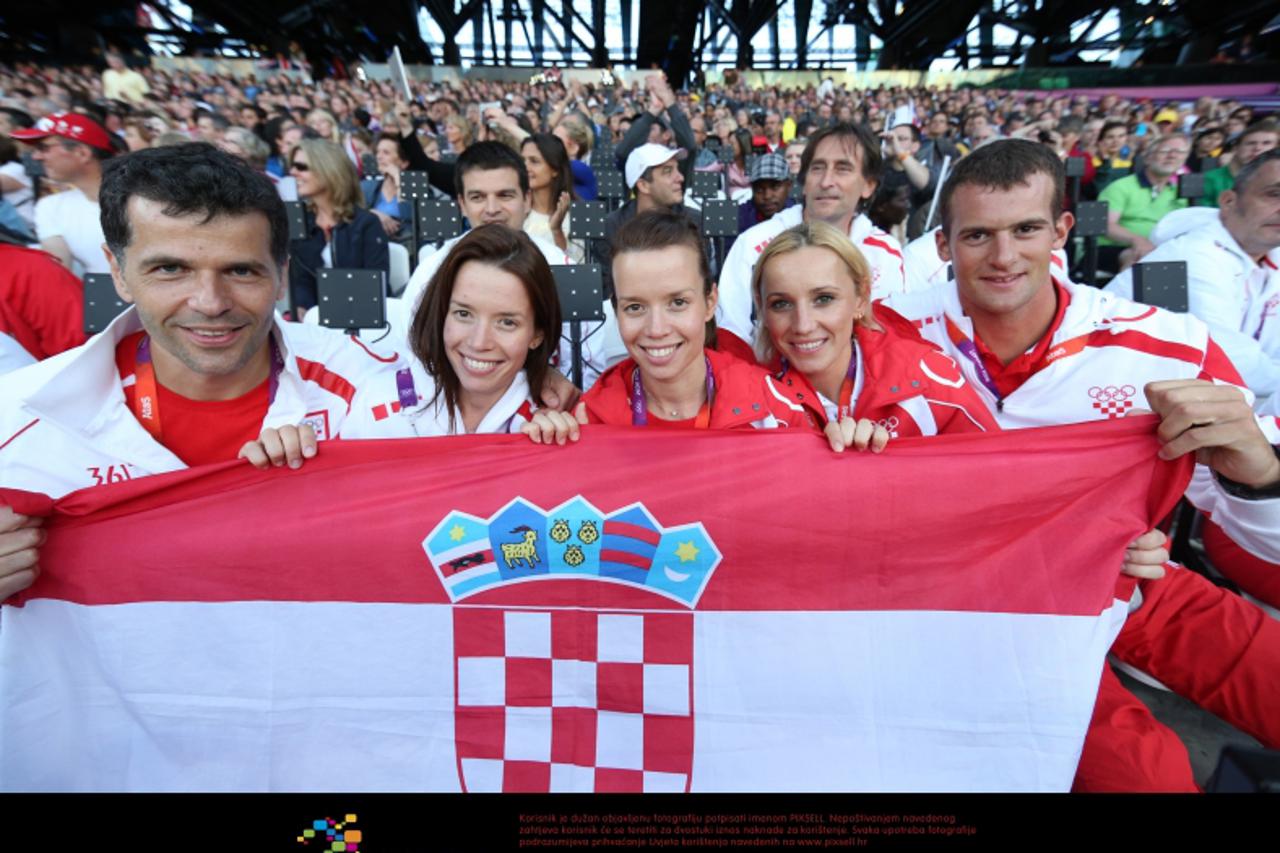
x,y
1103,354
733,312
65,424
377,411
1238,298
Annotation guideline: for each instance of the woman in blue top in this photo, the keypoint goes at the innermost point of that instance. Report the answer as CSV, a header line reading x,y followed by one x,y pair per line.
x,y
340,233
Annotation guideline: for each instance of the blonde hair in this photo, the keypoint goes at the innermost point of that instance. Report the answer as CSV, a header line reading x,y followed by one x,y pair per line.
x,y
579,132
818,235
335,132
335,171
464,127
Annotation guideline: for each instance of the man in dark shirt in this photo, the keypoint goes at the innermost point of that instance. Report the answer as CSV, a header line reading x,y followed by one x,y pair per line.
x,y
770,192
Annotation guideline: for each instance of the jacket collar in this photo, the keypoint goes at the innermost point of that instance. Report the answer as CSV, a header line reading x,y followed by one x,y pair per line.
x,y
85,390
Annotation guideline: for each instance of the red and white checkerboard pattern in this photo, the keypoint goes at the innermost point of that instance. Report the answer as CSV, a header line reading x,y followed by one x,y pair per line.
x,y
1113,408
573,700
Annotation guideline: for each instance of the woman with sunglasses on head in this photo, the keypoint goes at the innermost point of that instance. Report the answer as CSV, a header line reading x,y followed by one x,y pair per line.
x,y
481,353
665,301
861,364
341,233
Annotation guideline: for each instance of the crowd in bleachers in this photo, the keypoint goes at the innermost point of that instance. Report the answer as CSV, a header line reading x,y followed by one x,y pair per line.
x,y
750,189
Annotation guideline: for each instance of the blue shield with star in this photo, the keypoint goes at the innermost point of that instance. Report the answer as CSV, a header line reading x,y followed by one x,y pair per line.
x,y
519,537
683,563
459,550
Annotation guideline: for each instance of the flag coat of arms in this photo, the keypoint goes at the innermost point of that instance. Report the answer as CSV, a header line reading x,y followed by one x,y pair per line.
x,y
639,612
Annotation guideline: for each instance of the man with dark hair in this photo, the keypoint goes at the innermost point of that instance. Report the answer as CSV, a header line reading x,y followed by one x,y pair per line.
x,y
1070,128
1108,163
72,148
653,172
770,192
1258,138
839,171
196,368
1041,351
492,186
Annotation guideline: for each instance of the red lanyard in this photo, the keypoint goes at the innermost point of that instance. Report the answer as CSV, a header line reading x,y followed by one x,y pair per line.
x,y
146,397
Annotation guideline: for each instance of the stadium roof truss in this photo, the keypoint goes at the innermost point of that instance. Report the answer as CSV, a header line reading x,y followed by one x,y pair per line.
x,y
679,35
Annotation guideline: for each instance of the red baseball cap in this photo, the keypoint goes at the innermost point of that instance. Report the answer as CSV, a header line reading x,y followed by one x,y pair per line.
x,y
73,126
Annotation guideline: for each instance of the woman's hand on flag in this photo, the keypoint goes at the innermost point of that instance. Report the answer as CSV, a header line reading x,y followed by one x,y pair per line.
x,y
287,445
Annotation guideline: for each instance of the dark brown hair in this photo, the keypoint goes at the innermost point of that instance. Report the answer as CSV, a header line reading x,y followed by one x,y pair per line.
x,y
1003,165
863,140
511,251
655,230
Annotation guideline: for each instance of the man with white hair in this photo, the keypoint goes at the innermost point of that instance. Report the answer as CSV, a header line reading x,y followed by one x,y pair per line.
x,y
1233,273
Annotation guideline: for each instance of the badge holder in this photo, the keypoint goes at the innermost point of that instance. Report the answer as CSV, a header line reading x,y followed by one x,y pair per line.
x,y
719,220
101,302
611,187
1091,223
581,291
1162,284
586,223
351,300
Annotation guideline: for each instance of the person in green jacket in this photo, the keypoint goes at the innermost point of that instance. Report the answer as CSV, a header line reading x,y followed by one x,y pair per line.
x,y
1258,137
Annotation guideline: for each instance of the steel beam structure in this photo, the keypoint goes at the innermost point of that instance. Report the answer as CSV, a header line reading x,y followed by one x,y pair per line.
x,y
679,35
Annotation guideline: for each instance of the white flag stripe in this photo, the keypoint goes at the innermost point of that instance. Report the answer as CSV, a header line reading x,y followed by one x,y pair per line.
x,y
136,697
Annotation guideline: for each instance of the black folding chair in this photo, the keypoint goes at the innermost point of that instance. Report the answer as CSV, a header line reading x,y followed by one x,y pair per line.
x,y
1162,284
581,291
706,185
101,302
1191,186
719,220
610,187
437,220
1091,223
586,223
351,300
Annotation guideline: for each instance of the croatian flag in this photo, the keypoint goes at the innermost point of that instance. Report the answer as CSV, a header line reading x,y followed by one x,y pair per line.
x,y
643,611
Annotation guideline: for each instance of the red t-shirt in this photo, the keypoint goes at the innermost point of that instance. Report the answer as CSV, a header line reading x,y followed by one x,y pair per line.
x,y
199,432
1010,377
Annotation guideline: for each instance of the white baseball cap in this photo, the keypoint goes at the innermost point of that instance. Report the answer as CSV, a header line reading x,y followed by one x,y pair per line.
x,y
648,155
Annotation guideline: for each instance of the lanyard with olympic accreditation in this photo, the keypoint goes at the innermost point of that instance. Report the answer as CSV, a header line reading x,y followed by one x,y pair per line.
x,y
146,400
640,409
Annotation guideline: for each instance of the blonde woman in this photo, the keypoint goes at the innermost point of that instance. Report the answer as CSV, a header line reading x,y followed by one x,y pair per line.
x,y
341,233
459,133
864,364
323,123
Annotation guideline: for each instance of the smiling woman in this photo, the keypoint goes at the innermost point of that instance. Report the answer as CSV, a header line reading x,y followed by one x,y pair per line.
x,y
665,302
